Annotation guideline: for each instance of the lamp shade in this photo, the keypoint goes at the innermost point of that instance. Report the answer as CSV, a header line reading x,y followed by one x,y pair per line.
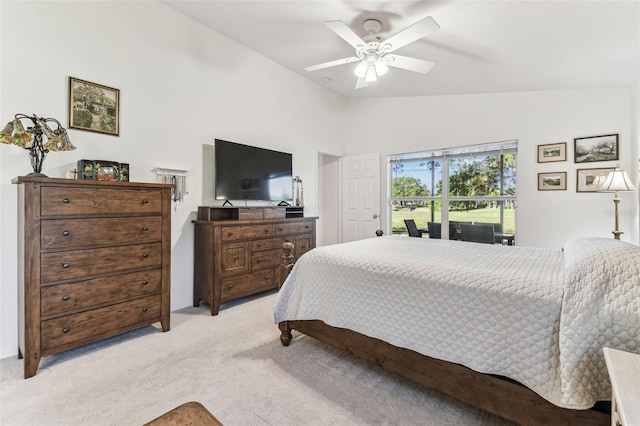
x,y
617,180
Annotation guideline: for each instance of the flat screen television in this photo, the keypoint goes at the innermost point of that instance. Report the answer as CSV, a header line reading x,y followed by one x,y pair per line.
x,y
244,172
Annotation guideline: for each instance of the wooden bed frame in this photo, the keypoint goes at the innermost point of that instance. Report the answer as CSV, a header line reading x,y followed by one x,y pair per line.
x,y
498,395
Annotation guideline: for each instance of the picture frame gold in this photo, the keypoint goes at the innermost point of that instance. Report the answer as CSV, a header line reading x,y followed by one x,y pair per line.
x,y
590,180
552,181
94,107
552,152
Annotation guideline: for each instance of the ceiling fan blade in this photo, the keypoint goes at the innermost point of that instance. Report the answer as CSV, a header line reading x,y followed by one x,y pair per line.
x,y
346,33
412,33
333,63
361,82
407,63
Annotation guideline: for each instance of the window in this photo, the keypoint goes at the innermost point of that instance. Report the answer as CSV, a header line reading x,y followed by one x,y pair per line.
x,y
475,184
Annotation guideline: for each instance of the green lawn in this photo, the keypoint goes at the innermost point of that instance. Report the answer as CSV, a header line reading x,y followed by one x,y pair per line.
x,y
422,215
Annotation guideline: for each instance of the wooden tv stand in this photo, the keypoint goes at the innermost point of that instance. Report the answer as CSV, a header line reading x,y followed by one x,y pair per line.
x,y
238,250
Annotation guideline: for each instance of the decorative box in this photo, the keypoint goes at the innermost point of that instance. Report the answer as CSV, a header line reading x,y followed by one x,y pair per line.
x,y
103,170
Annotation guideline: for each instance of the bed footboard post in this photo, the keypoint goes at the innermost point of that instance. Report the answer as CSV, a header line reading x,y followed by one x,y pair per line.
x,y
287,262
285,333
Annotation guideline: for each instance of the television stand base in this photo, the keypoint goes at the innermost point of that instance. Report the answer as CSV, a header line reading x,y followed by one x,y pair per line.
x,y
227,202
283,203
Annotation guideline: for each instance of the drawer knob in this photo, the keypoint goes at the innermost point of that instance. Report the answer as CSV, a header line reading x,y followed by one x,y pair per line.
x,y
66,330
230,234
145,309
259,244
66,200
266,231
230,285
258,261
66,233
145,255
145,201
145,282
236,258
66,265
66,297
144,228
306,227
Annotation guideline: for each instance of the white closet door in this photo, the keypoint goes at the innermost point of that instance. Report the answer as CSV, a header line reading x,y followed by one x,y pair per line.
x,y
360,196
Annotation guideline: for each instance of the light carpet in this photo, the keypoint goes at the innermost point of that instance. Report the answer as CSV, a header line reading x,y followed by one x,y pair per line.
x,y
234,364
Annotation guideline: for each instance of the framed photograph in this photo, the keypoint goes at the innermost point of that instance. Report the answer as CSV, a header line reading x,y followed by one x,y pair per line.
x,y
556,181
589,180
552,152
94,107
596,148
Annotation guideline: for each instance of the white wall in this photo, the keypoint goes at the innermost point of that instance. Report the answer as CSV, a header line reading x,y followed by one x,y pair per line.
x,y
543,218
181,85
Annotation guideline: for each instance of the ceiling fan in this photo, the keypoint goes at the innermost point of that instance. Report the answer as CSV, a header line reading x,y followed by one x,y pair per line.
x,y
374,53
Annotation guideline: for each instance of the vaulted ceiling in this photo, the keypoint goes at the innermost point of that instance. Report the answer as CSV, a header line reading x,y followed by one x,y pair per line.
x,y
481,46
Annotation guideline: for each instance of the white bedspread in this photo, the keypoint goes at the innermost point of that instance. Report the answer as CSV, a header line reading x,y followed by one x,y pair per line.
x,y
538,316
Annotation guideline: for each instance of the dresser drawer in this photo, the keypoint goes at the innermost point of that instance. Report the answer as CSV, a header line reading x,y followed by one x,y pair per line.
x,y
269,244
266,259
72,264
84,325
62,298
238,233
293,228
66,233
247,284
59,201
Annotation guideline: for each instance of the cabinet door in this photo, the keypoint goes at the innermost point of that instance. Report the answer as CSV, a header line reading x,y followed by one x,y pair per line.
x,y
302,244
236,258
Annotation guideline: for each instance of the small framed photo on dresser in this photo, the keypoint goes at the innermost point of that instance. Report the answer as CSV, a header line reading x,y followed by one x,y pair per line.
x,y
552,152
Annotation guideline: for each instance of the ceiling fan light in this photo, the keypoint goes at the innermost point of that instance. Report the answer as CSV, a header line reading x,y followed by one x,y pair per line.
x,y
381,68
361,69
371,74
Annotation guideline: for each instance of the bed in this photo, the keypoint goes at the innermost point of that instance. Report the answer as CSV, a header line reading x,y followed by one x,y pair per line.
x,y
517,331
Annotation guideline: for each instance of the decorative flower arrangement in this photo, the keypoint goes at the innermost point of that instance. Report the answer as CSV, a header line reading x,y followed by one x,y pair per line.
x,y
31,138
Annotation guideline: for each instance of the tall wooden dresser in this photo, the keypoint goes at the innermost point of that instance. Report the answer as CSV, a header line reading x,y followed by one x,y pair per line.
x,y
238,250
94,262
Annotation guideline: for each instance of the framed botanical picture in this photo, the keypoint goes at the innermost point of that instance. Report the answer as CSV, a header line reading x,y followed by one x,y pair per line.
x,y
596,148
94,107
589,180
552,152
556,181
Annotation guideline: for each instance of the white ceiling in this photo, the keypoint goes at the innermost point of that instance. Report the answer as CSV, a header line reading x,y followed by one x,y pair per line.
x,y
481,47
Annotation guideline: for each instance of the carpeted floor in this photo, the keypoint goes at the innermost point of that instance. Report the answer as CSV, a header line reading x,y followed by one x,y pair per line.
x,y
234,365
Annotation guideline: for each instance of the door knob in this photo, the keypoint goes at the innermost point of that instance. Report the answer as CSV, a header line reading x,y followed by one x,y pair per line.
x,y
375,215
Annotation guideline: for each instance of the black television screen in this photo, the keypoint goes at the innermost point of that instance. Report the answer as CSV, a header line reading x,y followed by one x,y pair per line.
x,y
244,172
